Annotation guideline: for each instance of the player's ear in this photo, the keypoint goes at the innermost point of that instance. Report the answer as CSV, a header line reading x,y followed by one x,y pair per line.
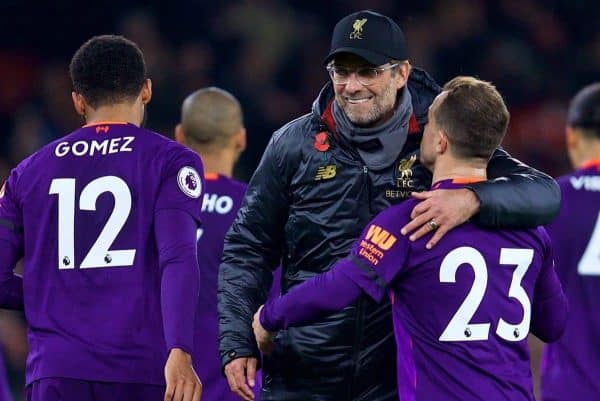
x,y
146,91
574,145
441,142
240,140
179,135
402,73
78,103
571,138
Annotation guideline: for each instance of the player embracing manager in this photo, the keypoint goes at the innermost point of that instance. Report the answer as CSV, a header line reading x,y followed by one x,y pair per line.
x,y
463,310
321,179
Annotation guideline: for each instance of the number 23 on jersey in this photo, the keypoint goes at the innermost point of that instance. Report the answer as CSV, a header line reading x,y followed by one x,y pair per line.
x,y
460,327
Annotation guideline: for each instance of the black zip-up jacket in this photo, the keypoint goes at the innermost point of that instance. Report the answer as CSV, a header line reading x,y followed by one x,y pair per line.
x,y
306,204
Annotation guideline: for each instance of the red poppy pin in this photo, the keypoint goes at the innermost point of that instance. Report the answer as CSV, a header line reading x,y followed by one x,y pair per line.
x,y
322,142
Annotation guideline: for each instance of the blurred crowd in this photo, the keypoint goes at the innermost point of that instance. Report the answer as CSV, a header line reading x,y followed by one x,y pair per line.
x,y
269,54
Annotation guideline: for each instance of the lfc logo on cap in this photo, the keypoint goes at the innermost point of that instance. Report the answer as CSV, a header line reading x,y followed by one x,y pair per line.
x,y
358,27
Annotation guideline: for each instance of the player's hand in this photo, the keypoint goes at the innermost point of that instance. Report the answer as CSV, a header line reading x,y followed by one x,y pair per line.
x,y
264,339
440,210
183,383
237,372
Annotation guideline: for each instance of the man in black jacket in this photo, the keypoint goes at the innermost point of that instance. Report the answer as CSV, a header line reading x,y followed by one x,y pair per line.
x,y
322,177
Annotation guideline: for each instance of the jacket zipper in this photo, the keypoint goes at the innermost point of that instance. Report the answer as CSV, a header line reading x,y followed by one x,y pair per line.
x,y
368,185
359,308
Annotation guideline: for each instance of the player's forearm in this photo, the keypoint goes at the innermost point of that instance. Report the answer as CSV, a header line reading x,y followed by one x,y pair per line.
x,y
310,301
549,318
180,282
11,285
550,306
517,195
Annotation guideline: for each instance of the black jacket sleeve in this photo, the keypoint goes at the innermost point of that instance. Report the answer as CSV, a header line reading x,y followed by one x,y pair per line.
x,y
251,252
515,194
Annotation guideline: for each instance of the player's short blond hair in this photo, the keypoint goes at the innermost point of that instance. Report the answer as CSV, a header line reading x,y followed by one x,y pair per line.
x,y
210,116
474,116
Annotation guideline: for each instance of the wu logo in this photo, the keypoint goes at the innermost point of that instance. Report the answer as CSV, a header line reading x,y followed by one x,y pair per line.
x,y
102,128
380,237
325,172
358,28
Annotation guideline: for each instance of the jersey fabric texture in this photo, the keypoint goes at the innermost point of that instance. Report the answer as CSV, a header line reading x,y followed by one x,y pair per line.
x,y
570,367
83,210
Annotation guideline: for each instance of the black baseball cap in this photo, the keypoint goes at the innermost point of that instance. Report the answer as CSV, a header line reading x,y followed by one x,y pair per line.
x,y
584,110
370,35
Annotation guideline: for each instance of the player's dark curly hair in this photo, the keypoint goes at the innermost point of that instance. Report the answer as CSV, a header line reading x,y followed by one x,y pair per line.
x,y
108,69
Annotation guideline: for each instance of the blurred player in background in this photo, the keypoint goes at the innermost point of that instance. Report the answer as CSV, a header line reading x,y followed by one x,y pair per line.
x,y
212,125
571,366
462,311
106,220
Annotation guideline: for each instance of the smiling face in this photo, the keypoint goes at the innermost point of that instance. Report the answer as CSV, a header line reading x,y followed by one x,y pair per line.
x,y
373,104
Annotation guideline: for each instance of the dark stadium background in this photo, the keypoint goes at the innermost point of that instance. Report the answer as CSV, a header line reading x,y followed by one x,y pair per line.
x,y
268,53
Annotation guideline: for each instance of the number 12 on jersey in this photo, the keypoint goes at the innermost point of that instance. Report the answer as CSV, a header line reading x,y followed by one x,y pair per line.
x,y
100,254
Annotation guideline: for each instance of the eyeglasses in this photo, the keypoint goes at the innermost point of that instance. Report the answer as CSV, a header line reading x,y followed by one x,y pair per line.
x,y
365,75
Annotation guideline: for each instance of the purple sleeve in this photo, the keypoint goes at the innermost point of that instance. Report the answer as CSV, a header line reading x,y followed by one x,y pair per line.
x,y
182,183
11,245
175,233
176,217
375,260
311,300
550,306
380,253
275,290
11,285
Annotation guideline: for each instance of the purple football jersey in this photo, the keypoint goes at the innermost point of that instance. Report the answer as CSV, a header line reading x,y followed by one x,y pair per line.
x,y
462,311
221,200
571,366
83,209
61,389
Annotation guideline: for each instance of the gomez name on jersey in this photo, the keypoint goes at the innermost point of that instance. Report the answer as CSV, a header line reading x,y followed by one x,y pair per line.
x,y
94,147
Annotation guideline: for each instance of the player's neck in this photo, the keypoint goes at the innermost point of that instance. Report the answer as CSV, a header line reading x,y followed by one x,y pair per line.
x,y
117,113
450,169
220,163
590,154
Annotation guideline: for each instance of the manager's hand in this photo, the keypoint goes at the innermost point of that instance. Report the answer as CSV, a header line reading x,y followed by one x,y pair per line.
x,y
440,211
241,375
